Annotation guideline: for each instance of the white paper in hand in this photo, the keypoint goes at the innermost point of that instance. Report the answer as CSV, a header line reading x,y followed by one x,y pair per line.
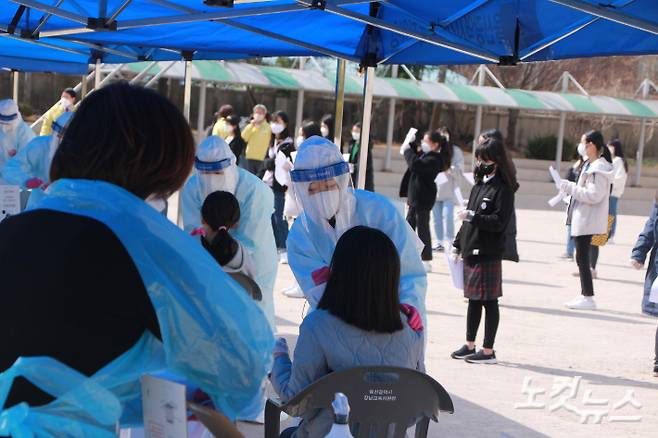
x,y
555,200
653,296
281,175
459,197
10,201
556,177
441,178
470,178
456,268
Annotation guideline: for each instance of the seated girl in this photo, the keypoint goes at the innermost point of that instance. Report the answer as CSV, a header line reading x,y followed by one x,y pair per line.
x,y
219,213
358,322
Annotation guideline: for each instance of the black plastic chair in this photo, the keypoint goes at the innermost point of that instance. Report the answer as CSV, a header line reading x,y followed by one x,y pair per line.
x,y
379,397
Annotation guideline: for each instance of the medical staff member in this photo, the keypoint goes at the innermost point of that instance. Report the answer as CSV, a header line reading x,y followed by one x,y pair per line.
x,y
330,207
30,168
216,169
66,104
14,132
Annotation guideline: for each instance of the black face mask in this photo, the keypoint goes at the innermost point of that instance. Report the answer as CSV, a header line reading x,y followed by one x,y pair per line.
x,y
483,170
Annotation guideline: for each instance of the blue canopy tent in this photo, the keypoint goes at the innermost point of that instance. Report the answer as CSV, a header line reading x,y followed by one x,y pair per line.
x,y
386,32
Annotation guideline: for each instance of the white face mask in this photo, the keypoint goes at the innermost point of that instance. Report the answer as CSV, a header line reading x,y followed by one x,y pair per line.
x,y
277,128
230,129
325,131
582,150
65,102
356,135
324,205
213,182
7,127
157,202
258,117
299,140
425,147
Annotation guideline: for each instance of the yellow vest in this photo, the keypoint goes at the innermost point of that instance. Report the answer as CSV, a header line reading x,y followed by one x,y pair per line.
x,y
258,140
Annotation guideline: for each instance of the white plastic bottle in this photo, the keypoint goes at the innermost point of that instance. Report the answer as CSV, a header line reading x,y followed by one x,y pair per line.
x,y
341,427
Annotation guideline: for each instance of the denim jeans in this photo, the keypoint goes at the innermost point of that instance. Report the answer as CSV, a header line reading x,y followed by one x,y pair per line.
x,y
571,246
443,211
612,211
279,223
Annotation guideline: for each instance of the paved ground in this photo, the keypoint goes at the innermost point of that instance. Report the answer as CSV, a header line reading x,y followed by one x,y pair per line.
x,y
539,339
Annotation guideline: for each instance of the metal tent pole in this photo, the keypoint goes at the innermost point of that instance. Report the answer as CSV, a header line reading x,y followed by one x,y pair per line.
x,y
137,79
159,74
299,112
478,116
563,121
187,97
201,116
84,88
15,83
340,102
368,86
391,122
643,137
97,75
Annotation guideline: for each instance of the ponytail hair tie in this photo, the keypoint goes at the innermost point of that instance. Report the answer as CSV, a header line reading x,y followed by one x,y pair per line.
x,y
222,228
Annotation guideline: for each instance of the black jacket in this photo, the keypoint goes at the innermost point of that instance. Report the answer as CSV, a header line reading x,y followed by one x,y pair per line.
x,y
483,237
418,182
354,151
238,146
287,147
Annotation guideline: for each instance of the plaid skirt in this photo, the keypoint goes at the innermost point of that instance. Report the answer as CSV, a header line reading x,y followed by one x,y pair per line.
x,y
483,280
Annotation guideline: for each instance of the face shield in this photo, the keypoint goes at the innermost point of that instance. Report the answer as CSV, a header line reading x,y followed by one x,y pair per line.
x,y
216,176
9,115
323,187
59,128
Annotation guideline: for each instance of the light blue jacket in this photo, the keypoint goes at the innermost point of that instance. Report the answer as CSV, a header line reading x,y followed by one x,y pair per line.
x,y
32,161
326,344
14,141
647,242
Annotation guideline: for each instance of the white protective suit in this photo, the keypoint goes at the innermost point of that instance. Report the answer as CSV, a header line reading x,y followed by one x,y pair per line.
x,y
14,132
256,200
312,240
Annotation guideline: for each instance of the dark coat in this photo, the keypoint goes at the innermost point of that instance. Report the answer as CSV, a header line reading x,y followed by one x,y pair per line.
x,y
287,147
647,242
511,253
483,237
237,146
354,151
419,178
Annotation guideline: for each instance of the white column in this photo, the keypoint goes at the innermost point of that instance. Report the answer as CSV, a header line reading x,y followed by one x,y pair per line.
x,y
340,102
15,83
97,75
391,123
478,116
368,85
187,96
563,121
643,137
201,116
299,111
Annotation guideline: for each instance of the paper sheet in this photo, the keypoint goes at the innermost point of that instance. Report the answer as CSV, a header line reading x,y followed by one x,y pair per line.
x,y
459,197
556,177
470,178
653,296
10,201
441,178
281,163
456,271
555,200
411,135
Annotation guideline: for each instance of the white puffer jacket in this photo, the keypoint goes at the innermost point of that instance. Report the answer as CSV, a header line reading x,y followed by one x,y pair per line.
x,y
590,197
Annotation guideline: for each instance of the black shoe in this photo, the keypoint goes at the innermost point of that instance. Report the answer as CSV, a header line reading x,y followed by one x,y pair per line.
x,y
480,357
462,353
655,370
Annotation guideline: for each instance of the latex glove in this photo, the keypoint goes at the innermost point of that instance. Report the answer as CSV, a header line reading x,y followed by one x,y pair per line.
x,y
198,232
33,183
413,317
11,153
404,148
410,138
320,276
635,264
280,348
454,255
566,186
465,215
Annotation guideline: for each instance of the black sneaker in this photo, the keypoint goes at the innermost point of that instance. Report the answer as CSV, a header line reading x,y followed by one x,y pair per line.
x,y
463,352
480,357
655,370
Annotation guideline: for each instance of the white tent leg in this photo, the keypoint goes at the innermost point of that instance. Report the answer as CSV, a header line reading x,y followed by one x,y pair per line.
x,y
299,111
340,102
560,141
201,117
84,87
368,85
391,123
97,75
640,151
478,115
187,97
15,78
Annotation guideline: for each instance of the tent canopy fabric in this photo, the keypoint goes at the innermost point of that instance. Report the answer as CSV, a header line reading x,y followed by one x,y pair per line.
x,y
392,31
404,89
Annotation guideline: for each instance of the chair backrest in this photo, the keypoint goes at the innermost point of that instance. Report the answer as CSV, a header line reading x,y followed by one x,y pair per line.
x,y
379,396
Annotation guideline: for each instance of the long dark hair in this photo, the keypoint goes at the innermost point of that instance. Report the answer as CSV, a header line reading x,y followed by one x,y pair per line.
x,y
446,151
220,211
283,116
310,128
328,120
619,151
596,138
492,149
364,281
235,122
497,135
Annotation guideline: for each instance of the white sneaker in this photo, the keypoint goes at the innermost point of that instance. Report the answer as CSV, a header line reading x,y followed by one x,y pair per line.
x,y
595,274
428,266
283,257
294,292
582,303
